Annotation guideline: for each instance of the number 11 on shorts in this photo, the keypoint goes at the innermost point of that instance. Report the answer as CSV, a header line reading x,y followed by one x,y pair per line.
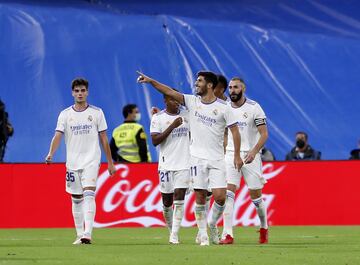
x,y
193,171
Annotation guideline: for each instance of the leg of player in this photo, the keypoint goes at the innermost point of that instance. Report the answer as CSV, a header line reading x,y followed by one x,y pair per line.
x,y
256,197
168,199
207,207
217,211
200,216
227,235
179,196
89,213
78,215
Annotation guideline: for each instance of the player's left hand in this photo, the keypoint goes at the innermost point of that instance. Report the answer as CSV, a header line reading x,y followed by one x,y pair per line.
x,y
238,163
111,169
249,157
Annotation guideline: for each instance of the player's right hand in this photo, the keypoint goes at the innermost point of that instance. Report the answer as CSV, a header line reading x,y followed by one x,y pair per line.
x,y
154,110
48,159
143,78
177,122
238,163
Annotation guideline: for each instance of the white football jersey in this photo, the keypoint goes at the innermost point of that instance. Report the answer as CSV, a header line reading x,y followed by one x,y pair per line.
x,y
249,116
174,151
81,130
207,126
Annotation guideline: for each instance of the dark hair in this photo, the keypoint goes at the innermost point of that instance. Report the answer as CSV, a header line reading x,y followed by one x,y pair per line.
x,y
222,80
128,109
79,82
304,133
238,79
209,77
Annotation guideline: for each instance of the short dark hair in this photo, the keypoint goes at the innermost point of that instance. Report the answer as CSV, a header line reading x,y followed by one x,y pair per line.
x,y
209,77
238,79
128,109
79,82
304,133
223,81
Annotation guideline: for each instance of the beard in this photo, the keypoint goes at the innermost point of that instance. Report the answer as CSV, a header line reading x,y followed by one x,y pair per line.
x,y
235,97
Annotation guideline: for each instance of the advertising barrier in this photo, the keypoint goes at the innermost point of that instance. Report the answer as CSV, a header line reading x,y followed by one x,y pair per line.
x,y
297,193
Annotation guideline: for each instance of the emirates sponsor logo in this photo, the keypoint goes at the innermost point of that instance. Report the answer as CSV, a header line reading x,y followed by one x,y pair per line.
x,y
132,198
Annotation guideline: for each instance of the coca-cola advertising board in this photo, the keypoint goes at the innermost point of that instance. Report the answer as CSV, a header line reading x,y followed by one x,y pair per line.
x,y
297,193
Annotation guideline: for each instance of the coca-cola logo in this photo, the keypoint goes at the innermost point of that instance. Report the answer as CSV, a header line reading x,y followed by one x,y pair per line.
x,y
132,198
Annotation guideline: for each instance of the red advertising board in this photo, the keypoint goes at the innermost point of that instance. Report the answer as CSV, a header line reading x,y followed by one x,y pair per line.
x,y
297,193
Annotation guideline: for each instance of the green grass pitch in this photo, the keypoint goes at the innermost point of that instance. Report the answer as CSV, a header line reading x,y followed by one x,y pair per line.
x,y
338,245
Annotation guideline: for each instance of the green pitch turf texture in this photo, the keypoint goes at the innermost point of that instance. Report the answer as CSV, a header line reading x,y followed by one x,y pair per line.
x,y
338,245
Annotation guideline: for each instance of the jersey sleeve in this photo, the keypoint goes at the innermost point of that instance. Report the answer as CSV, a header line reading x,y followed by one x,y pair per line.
x,y
259,116
189,101
155,125
61,123
230,117
102,125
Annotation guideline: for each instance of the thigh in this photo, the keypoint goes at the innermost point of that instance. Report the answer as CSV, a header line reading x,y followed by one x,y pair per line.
x,y
73,182
199,173
253,174
181,179
233,175
166,181
217,174
89,176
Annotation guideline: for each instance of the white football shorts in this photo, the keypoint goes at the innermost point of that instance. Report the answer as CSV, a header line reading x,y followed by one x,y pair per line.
x,y
171,180
208,174
77,180
252,172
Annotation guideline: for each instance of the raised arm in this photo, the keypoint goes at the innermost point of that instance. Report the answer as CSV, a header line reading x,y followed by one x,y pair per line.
x,y
164,89
158,138
55,142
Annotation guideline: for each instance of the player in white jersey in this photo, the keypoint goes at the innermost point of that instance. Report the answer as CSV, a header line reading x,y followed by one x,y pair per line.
x,y
82,125
254,133
170,131
208,117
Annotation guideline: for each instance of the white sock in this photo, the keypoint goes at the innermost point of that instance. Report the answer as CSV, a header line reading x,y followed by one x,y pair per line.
x,y
177,216
168,216
78,215
207,205
89,212
217,211
261,211
200,216
228,214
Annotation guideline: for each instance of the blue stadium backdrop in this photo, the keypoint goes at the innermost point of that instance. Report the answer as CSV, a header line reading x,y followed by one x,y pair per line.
x,y
300,60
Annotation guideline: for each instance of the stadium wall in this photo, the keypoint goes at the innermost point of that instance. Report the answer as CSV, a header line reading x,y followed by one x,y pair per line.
x,y
297,193
300,60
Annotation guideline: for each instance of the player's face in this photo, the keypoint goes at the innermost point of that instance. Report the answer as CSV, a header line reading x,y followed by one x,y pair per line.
x,y
80,94
236,90
219,91
201,86
171,104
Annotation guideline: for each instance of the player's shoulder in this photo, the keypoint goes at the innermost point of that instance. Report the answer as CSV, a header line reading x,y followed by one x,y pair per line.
x,y
92,107
67,110
221,101
159,114
251,102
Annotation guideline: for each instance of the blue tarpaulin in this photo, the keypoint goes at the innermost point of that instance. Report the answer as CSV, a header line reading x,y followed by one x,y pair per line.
x,y
300,60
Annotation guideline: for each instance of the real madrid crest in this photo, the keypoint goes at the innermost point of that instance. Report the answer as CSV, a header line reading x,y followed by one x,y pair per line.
x,y
90,118
245,115
215,111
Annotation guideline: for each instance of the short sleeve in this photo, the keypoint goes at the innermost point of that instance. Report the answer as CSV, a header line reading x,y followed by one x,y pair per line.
x,y
102,125
61,122
155,124
259,116
230,117
189,101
